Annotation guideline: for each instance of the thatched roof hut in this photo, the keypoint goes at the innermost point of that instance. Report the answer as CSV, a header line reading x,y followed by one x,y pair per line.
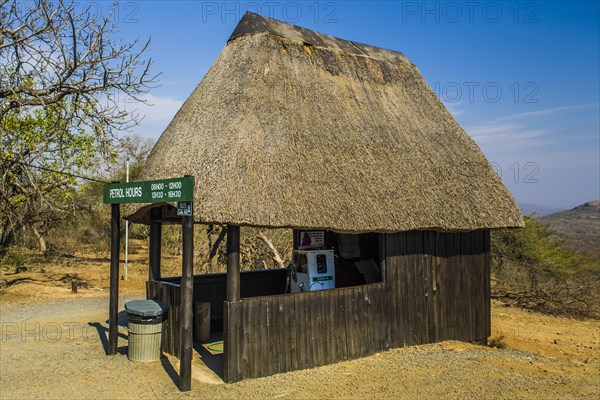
x,y
293,128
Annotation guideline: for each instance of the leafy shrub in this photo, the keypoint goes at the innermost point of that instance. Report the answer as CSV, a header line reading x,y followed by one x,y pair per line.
x,y
13,259
533,270
497,342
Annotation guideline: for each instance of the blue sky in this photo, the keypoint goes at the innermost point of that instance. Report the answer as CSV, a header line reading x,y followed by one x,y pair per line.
x,y
521,77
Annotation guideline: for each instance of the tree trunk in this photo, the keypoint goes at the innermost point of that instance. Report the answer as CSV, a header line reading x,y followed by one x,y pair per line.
x,y
276,257
215,235
40,238
6,241
7,238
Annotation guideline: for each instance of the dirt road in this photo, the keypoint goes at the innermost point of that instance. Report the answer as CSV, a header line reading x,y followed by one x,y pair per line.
x,y
53,348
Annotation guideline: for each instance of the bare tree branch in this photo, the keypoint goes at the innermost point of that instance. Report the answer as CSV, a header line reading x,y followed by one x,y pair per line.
x,y
51,52
276,256
65,80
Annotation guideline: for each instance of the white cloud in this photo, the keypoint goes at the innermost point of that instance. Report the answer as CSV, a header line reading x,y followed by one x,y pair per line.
x,y
520,131
160,109
454,108
154,115
546,112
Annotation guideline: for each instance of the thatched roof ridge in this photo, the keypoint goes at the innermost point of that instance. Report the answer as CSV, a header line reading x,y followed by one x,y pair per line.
x,y
281,133
252,24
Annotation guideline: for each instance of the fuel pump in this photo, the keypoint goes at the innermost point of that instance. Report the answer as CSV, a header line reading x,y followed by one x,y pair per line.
x,y
312,270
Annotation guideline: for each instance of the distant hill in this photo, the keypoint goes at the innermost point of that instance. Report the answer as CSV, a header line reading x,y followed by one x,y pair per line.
x,y
578,228
541,210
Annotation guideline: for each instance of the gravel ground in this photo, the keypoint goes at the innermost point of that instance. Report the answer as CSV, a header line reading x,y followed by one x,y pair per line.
x,y
53,349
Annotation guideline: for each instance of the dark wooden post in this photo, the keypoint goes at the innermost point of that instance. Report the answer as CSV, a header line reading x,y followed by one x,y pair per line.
x,y
295,239
487,291
187,294
382,257
233,263
231,323
155,244
113,306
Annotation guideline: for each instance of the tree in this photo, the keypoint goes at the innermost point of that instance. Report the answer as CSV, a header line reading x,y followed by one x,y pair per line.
x,y
64,77
532,269
37,197
88,223
135,149
51,52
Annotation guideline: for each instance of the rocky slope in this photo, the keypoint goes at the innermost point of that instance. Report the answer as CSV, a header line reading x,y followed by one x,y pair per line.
x,y
578,228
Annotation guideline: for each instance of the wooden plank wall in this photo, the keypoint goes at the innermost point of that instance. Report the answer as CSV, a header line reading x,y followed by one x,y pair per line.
x,y
170,294
210,288
438,286
273,334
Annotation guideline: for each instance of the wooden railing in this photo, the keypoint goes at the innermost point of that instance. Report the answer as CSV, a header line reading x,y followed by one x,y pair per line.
x,y
210,288
168,293
272,334
436,288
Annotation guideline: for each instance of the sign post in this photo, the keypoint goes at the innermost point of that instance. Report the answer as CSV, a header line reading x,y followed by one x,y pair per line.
x,y
187,294
181,191
113,303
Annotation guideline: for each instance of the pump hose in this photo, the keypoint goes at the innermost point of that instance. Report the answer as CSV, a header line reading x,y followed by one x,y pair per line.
x,y
288,279
211,346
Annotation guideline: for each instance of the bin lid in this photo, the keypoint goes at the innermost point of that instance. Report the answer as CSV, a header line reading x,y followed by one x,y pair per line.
x,y
145,308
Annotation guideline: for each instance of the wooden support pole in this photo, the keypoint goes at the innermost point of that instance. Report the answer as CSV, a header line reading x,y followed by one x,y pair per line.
x,y
155,244
295,239
187,294
230,372
487,291
382,257
113,306
233,263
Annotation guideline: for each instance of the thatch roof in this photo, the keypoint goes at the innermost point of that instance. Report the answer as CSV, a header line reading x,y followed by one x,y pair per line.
x,y
292,128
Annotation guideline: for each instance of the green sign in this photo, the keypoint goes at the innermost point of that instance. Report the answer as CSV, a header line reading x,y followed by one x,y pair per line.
x,y
322,278
164,190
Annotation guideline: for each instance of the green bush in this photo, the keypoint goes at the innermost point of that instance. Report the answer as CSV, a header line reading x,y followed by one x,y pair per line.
x,y
497,342
531,267
13,259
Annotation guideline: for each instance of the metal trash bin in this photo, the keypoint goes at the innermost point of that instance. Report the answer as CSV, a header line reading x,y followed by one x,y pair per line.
x,y
145,323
